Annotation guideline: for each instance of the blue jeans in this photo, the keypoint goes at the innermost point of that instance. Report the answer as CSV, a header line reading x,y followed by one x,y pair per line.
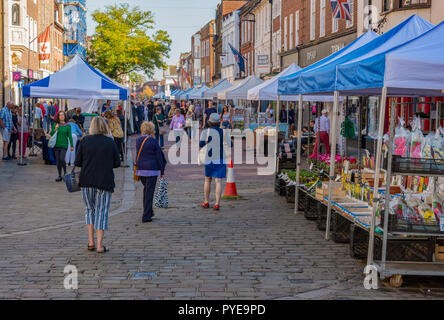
x,y
159,138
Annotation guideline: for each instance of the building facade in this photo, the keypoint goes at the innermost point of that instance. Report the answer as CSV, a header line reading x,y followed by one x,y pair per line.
x,y
207,34
310,33
74,41
185,70
382,15
196,52
230,36
262,38
276,36
247,26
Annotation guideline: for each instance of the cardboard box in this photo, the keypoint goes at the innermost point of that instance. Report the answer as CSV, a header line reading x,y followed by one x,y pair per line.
x,y
439,252
336,190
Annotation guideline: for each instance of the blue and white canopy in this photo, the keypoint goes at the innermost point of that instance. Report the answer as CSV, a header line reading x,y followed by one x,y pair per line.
x,y
268,90
323,79
212,93
188,95
183,94
240,91
198,94
414,68
77,80
288,85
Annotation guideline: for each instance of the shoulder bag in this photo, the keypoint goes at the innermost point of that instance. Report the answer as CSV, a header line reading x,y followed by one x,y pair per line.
x,y
53,140
72,182
136,177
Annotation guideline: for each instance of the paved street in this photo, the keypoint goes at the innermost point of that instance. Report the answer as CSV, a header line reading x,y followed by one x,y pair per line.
x,y
254,248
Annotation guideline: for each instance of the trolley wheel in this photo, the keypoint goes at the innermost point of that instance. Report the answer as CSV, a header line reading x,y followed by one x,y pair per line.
x,y
396,281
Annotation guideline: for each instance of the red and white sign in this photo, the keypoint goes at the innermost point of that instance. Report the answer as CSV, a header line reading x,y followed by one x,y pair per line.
x,y
44,44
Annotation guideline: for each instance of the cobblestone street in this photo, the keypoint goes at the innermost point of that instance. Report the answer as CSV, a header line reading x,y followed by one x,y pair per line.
x,y
254,248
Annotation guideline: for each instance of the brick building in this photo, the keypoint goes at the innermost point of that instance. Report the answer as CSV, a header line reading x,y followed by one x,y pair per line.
x,y
224,8
207,34
185,68
310,33
195,56
247,35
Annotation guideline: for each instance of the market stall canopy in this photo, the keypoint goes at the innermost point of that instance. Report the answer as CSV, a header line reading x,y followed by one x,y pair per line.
x,y
212,93
414,68
182,95
198,94
288,85
176,94
221,94
323,79
241,90
188,95
77,80
268,90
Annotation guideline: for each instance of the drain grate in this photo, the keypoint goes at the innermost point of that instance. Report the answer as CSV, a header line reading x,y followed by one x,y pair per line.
x,y
143,275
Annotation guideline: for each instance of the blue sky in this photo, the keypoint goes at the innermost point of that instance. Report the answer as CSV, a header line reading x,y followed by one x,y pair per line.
x,y
180,18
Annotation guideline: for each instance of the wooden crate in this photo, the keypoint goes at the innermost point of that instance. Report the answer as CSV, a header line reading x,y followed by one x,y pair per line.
x,y
439,252
336,190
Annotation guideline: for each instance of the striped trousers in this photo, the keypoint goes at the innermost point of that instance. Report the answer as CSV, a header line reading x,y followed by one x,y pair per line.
x,y
97,204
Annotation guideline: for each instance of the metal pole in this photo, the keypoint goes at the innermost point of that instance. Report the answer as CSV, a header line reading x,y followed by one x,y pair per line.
x,y
276,147
378,169
32,154
125,151
388,180
298,157
332,160
21,163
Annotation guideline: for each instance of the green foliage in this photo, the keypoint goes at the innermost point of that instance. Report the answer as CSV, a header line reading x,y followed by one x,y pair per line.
x,y
125,42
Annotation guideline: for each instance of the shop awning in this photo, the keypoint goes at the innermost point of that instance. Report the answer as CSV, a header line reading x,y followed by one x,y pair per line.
x,y
77,80
198,94
240,91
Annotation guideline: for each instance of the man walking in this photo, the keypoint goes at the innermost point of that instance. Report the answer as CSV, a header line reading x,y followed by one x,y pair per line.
x,y
322,129
52,112
208,112
7,128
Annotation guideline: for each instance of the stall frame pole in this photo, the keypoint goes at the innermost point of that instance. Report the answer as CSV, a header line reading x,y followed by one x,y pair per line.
x,y
125,153
388,182
377,174
298,157
332,160
21,163
276,147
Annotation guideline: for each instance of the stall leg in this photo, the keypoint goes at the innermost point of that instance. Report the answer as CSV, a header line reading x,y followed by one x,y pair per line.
x,y
125,151
332,161
276,148
298,157
378,169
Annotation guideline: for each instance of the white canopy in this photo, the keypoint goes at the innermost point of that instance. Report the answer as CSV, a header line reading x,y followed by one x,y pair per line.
x,y
77,80
268,90
221,94
221,86
241,90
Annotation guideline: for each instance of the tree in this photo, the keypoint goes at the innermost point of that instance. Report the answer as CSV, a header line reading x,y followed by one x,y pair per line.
x,y
125,42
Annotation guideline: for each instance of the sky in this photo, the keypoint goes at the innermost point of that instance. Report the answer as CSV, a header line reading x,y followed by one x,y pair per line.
x,y
180,18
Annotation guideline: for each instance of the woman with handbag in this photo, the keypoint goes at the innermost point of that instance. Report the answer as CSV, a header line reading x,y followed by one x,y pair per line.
x,y
226,121
216,166
61,138
150,164
97,156
161,128
190,117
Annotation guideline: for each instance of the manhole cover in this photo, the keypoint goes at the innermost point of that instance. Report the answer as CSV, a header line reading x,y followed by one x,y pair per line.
x,y
143,275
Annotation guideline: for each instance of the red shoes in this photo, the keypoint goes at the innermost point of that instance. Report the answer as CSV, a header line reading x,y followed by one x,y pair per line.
x,y
207,206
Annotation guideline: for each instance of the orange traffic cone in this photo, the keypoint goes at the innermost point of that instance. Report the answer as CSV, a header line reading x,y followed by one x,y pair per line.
x,y
230,188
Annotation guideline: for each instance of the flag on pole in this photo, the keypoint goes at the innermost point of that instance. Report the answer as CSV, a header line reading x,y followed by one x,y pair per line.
x,y
44,44
239,59
186,76
341,9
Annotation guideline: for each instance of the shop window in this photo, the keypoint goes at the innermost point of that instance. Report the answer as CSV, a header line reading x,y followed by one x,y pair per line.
x,y
413,3
386,5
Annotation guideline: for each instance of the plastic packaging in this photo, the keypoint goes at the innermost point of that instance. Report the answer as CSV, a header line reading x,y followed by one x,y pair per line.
x,y
437,207
438,146
416,139
401,140
426,152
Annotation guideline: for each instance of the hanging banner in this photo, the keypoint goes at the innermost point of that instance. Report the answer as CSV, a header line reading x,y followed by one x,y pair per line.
x,y
44,44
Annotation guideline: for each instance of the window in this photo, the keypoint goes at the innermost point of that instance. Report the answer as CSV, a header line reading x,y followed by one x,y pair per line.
x,y
322,20
285,33
334,25
313,20
350,23
208,47
407,3
386,5
291,31
297,28
15,15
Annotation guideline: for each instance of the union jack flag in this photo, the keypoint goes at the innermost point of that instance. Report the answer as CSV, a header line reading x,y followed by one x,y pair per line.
x,y
341,9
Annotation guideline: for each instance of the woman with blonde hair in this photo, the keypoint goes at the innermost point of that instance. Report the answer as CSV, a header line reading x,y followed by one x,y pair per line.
x,y
150,162
115,128
97,156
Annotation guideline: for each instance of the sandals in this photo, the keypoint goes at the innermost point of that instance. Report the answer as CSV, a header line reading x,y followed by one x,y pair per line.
x,y
205,205
104,250
216,207
91,248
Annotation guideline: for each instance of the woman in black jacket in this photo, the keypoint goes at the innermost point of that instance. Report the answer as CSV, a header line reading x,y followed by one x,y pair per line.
x,y
97,156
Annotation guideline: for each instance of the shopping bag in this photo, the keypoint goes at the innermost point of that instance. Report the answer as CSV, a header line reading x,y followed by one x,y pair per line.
x,y
161,200
52,142
72,181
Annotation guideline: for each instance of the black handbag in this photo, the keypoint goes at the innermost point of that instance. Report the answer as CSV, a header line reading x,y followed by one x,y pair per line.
x,y
72,181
